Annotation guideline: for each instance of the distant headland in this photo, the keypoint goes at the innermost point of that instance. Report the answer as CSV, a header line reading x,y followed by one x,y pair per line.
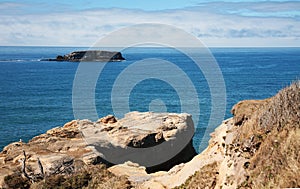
x,y
89,56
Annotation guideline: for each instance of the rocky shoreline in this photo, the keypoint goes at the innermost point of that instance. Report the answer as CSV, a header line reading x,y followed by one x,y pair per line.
x,y
258,148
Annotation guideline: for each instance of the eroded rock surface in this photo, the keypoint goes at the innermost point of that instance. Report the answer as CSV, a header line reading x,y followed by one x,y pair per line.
x,y
80,143
215,154
157,141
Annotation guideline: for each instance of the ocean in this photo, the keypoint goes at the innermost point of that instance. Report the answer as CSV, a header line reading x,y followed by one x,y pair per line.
x,y
36,95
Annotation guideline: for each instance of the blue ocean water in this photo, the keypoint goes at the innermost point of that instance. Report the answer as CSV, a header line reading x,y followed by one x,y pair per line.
x,y
36,95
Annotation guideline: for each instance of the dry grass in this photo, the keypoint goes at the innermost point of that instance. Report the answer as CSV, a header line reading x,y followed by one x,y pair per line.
x,y
277,163
90,177
275,125
283,110
16,180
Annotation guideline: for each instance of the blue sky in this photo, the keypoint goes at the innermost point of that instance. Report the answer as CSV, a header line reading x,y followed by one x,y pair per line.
x,y
126,4
216,23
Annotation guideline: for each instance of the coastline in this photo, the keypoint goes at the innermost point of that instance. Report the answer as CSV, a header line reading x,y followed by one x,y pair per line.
x,y
53,80
258,147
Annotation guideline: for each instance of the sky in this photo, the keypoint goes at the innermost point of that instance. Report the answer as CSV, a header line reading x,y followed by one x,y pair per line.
x,y
227,23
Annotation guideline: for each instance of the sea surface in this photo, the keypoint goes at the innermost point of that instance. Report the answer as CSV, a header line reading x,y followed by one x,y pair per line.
x,y
36,95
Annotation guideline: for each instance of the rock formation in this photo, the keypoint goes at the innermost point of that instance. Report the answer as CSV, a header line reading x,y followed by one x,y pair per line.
x,y
80,144
157,141
258,148
89,56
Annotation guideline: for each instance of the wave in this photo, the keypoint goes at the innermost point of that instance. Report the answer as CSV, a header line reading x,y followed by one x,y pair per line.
x,y
266,66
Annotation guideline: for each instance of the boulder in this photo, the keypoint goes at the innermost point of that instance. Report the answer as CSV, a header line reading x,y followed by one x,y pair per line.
x,y
157,141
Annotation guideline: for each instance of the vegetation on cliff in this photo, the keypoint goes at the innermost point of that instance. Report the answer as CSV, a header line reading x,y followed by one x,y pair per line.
x,y
273,131
265,151
89,177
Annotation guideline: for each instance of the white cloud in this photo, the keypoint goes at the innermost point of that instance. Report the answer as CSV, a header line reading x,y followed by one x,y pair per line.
x,y
214,23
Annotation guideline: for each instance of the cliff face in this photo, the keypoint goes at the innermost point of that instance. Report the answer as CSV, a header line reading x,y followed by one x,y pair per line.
x,y
258,148
269,140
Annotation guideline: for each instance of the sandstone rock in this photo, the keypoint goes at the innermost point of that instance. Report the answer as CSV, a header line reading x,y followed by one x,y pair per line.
x,y
108,119
133,171
58,151
157,141
71,124
63,150
215,152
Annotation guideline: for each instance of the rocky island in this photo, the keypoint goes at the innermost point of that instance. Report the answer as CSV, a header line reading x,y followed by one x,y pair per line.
x,y
258,147
89,56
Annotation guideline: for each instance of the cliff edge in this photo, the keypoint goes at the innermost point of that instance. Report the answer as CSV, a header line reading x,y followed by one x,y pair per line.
x,y
258,148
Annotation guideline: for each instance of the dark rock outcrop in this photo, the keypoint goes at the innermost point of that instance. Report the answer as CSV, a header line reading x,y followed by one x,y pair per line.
x,y
89,56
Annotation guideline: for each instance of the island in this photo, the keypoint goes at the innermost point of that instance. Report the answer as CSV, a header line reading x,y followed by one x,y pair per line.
x,y
89,56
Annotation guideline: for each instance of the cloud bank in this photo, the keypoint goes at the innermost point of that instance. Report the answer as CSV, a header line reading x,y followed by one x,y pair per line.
x,y
215,23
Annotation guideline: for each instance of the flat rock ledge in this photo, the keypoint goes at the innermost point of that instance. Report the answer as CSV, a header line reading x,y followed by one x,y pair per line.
x,y
156,141
89,56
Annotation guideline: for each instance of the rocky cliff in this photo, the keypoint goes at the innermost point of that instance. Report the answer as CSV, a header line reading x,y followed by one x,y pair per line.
x,y
90,56
258,148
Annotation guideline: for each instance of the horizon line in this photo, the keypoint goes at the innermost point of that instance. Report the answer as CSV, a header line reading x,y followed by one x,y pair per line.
x,y
147,46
